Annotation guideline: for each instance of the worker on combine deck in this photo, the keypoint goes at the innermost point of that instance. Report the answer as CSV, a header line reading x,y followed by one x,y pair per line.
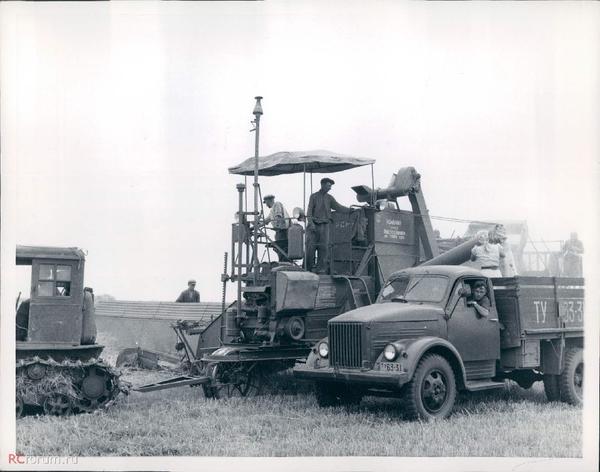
x,y
191,295
319,218
480,301
572,260
508,267
280,221
487,255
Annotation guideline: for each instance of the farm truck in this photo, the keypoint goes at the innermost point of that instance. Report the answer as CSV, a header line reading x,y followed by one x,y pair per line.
x,y
58,366
423,340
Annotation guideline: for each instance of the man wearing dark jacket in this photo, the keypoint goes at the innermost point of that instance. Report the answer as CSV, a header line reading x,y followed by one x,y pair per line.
x,y
191,295
319,218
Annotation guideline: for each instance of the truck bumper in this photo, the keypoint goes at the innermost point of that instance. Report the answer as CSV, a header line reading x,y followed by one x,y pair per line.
x,y
372,378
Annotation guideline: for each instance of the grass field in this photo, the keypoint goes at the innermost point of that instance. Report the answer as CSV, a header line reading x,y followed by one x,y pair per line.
x,y
509,422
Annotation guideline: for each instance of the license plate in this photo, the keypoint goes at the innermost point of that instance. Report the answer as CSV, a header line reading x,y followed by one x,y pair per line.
x,y
389,366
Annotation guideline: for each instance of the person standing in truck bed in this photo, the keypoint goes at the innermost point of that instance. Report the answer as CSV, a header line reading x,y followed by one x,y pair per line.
x,y
487,255
191,295
572,251
508,267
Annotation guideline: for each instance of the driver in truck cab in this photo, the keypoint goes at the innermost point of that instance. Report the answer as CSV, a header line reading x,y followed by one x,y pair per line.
x,y
480,301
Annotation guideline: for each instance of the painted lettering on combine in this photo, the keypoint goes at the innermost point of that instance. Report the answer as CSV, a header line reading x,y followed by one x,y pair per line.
x,y
540,309
393,233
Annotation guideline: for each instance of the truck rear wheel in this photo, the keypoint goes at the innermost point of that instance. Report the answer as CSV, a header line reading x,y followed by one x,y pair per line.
x,y
552,387
571,378
432,391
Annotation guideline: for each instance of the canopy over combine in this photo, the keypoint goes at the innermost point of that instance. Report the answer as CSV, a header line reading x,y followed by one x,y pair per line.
x,y
286,162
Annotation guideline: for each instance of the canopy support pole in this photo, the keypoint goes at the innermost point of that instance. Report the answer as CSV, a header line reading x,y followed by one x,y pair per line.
x,y
304,189
372,186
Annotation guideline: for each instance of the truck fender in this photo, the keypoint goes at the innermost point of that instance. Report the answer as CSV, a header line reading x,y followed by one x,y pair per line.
x,y
415,349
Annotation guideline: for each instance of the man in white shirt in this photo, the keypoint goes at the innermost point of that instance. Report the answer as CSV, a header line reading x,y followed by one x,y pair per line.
x,y
487,255
280,221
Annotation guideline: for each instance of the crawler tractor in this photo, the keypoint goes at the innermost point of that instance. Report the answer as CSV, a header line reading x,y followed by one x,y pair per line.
x,y
58,365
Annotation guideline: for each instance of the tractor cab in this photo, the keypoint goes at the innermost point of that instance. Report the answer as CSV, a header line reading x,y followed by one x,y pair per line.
x,y
59,312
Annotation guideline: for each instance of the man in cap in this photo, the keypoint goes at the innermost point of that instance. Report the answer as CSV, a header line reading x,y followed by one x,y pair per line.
x,y
319,218
572,260
191,295
280,221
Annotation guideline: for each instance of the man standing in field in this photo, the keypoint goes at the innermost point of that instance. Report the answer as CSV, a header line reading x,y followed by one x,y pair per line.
x,y
191,295
319,218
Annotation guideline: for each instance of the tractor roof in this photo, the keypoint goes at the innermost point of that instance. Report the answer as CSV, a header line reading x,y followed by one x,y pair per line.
x,y
25,254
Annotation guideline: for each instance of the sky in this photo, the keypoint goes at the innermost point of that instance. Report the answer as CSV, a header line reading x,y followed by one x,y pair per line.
x,y
119,121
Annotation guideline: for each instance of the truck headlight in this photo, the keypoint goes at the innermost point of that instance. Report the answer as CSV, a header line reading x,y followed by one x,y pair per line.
x,y
323,349
390,353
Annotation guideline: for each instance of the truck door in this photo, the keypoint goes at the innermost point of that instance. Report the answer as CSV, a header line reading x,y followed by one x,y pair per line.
x,y
476,338
56,299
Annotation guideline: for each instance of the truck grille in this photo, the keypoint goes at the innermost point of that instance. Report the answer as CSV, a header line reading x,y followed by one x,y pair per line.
x,y
345,344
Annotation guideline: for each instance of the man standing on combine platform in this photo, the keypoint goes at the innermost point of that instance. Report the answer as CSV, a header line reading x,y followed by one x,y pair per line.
x,y
191,295
280,221
319,218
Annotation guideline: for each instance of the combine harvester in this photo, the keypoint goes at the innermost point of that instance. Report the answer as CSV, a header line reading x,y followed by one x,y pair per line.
x,y
282,309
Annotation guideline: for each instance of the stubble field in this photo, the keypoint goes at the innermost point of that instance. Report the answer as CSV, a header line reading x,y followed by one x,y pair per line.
x,y
508,422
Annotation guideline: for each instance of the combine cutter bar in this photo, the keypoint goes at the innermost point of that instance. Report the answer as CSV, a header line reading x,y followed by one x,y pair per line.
x,y
172,383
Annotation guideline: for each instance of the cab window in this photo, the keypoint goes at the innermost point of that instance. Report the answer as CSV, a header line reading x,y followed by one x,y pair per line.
x,y
54,280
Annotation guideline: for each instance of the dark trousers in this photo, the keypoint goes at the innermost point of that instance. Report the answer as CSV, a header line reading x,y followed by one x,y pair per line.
x,y
282,242
317,239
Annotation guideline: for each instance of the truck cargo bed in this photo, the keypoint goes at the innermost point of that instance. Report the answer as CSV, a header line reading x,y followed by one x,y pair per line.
x,y
535,309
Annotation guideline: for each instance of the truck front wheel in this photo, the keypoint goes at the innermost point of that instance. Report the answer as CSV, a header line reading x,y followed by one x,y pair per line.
x,y
571,379
432,391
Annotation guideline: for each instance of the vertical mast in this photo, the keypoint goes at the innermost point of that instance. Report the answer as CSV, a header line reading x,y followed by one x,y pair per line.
x,y
257,113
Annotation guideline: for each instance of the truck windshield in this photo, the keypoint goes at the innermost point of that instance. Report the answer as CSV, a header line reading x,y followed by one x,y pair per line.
x,y
422,288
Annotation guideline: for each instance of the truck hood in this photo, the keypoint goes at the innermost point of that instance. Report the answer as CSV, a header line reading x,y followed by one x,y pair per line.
x,y
392,311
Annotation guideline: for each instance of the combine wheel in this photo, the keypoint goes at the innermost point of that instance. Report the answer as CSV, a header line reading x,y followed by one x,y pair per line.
x,y
57,404
431,393
232,380
19,406
571,379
